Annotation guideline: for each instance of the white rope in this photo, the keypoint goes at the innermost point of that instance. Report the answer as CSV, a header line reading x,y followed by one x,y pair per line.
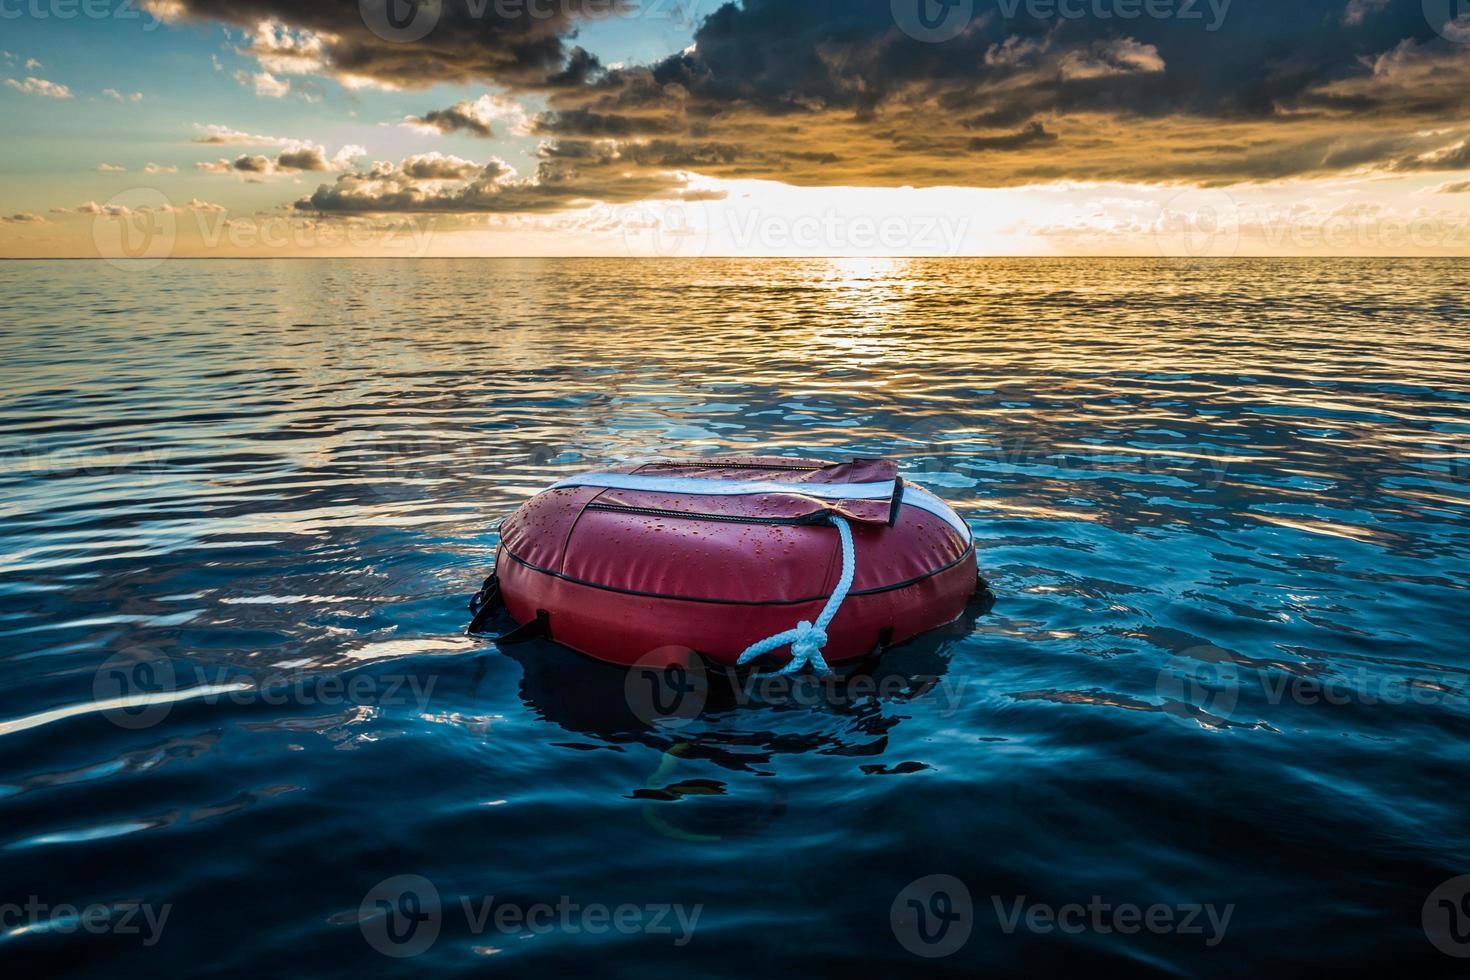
x,y
807,639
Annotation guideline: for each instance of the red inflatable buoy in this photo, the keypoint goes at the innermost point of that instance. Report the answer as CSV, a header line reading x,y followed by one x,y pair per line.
x,y
718,555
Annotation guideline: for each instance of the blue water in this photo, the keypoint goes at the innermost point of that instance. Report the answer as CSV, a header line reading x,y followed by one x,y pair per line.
x,y
1224,507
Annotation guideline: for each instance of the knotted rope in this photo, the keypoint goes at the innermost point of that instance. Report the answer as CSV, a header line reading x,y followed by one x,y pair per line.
x,y
807,639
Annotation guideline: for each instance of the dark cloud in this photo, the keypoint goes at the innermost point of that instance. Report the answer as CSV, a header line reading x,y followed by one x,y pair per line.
x,y
477,117
249,163
435,166
826,92
455,119
463,41
305,158
1031,135
848,53
1453,157
1270,91
295,158
585,122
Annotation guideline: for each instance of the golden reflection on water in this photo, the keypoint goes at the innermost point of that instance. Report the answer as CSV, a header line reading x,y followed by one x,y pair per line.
x,y
307,401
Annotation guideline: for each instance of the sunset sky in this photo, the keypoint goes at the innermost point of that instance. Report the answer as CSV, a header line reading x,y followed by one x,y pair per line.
x,y
768,127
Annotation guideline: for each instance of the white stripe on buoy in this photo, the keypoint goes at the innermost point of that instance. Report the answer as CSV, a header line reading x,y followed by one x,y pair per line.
x,y
913,494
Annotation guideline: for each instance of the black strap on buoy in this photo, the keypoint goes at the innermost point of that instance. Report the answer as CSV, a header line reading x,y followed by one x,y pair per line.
x,y
485,604
488,603
984,597
536,629
895,504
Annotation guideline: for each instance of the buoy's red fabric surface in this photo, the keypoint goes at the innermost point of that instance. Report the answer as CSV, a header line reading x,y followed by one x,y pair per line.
x,y
714,555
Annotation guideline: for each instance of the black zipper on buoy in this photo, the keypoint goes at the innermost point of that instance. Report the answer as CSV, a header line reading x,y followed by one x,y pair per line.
x,y
806,520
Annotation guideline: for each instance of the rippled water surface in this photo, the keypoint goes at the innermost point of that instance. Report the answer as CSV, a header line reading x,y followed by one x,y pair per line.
x,y
1224,508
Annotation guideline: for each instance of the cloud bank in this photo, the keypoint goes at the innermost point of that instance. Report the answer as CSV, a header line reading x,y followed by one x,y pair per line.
x,y
847,92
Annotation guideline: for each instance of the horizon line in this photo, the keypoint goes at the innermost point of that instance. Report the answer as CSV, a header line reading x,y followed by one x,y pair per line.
x,y
120,260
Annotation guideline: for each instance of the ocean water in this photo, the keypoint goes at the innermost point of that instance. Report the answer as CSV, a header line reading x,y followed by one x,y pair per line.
x,y
1215,723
